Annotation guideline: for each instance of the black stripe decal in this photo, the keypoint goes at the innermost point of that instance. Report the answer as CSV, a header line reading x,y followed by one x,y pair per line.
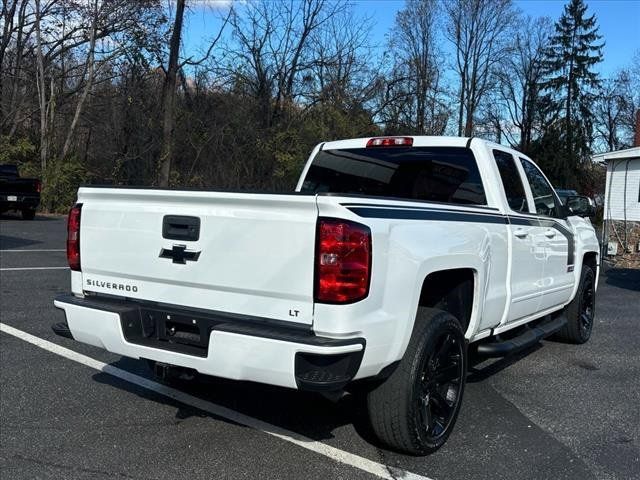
x,y
415,207
417,213
531,222
438,215
567,234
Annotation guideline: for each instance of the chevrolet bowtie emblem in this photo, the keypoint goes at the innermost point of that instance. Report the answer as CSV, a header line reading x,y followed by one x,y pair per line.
x,y
179,254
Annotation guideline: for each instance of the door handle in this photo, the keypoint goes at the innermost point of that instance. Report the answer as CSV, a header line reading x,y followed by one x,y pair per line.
x,y
550,233
178,227
521,233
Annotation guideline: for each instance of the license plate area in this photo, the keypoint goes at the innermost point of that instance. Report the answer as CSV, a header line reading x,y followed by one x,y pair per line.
x,y
169,330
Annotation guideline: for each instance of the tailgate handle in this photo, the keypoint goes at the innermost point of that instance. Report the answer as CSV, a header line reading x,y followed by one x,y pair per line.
x,y
178,227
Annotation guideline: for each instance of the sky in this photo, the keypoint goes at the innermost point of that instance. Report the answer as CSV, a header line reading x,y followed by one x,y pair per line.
x,y
619,22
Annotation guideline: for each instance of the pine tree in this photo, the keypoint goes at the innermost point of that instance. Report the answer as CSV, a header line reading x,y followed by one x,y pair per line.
x,y
570,82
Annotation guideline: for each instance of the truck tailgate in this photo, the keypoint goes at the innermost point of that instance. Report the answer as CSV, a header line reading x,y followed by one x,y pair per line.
x,y
254,254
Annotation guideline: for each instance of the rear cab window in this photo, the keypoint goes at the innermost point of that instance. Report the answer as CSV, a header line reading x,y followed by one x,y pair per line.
x,y
435,174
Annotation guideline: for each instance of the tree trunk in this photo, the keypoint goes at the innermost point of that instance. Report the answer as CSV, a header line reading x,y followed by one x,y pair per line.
x,y
42,93
463,82
8,13
87,87
169,98
15,104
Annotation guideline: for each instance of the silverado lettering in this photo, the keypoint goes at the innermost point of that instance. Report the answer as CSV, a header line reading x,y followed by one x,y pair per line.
x,y
112,285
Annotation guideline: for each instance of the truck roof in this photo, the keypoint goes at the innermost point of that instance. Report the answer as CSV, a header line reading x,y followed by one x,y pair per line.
x,y
418,141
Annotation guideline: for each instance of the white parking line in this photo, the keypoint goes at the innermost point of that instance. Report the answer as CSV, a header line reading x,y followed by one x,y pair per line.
x,y
34,250
17,269
361,463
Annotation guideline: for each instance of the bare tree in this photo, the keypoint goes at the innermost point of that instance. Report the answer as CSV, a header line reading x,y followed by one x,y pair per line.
x,y
19,27
478,30
46,103
416,72
273,49
614,111
342,72
169,97
91,68
172,71
520,81
8,16
67,60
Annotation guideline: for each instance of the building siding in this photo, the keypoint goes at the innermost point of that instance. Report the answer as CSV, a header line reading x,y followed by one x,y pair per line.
x,y
621,173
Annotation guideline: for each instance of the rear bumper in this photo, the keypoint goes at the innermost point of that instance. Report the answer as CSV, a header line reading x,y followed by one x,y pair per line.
x,y
214,343
21,201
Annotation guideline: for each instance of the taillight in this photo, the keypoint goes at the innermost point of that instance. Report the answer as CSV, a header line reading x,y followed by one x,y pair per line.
x,y
343,261
73,237
390,142
38,186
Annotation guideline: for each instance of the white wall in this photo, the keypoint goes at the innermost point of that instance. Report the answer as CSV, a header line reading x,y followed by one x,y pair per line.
x,y
617,174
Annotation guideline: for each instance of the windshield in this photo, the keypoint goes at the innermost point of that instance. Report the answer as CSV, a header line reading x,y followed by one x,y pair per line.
x,y
438,174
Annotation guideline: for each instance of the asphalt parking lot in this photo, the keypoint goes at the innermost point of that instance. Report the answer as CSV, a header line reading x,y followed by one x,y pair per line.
x,y
68,410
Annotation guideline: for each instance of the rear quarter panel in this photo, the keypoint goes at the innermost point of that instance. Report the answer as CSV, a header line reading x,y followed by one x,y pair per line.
x,y
405,252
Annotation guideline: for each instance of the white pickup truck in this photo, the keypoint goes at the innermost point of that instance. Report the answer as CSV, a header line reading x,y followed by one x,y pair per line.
x,y
394,259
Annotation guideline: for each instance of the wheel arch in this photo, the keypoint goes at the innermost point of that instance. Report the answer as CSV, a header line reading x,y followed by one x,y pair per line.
x,y
590,258
452,290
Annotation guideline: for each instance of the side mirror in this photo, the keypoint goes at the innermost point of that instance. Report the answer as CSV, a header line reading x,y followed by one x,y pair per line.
x,y
581,206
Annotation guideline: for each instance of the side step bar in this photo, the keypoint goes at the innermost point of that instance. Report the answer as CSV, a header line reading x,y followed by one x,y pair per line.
x,y
529,337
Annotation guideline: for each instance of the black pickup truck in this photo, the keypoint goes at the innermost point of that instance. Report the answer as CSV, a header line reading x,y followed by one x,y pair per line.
x,y
17,193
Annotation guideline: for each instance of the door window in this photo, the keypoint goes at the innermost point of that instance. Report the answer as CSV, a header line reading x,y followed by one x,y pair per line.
x,y
544,197
511,181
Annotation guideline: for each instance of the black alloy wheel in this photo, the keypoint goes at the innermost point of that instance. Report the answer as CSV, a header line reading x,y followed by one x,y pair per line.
x,y
581,311
440,386
415,409
587,307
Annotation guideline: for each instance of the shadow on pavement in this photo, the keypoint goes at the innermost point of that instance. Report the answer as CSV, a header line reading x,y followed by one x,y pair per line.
x,y
628,278
480,369
307,414
18,217
8,242
304,413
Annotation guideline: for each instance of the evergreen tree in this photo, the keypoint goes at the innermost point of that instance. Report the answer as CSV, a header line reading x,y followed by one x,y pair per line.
x,y
570,82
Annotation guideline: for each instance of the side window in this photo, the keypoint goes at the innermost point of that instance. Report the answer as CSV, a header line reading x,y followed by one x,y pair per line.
x,y
543,196
511,181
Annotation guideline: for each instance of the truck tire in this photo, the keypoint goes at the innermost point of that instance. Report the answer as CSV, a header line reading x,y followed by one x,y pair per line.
x,y
581,311
415,409
28,214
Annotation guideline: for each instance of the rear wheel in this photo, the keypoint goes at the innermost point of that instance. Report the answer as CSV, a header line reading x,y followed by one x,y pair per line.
x,y
28,214
415,409
581,311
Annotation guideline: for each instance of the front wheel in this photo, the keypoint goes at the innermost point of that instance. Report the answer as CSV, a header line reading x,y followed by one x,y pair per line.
x,y
415,409
581,311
